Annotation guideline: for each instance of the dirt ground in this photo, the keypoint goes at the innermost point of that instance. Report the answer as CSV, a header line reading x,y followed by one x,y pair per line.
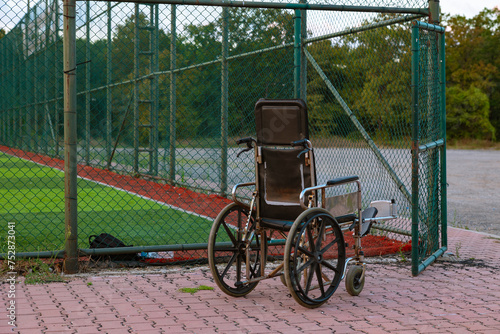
x,y
474,189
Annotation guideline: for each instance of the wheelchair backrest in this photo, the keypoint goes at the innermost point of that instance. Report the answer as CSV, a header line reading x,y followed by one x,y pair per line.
x,y
280,122
282,173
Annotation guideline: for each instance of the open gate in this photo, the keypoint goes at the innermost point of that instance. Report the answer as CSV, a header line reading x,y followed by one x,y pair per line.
x,y
429,219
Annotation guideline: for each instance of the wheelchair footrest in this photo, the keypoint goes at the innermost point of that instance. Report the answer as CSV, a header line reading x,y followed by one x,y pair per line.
x,y
366,222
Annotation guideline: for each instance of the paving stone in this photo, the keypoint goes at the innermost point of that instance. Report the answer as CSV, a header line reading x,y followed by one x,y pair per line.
x,y
447,297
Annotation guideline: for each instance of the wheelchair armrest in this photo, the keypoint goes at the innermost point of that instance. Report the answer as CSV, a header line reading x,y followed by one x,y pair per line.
x,y
342,180
332,183
233,193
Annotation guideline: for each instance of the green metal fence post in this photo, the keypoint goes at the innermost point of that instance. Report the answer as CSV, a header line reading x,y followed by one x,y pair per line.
x,y
17,90
109,77
154,134
12,91
303,59
36,69
70,139
46,115
444,196
414,147
173,99
58,78
27,111
8,90
136,90
434,11
87,84
224,99
297,54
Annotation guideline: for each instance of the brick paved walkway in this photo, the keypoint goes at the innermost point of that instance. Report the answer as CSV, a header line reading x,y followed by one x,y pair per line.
x,y
449,297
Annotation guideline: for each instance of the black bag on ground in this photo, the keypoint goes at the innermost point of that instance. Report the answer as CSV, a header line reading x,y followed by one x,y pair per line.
x,y
105,240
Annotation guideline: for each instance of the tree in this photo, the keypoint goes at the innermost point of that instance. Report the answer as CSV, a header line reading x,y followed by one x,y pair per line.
x,y
467,115
472,63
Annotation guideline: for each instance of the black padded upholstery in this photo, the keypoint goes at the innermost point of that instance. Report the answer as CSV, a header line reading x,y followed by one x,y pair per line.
x,y
282,177
276,224
280,122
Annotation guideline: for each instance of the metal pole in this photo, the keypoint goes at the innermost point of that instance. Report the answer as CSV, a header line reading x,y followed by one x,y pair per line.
x,y
278,5
136,90
414,149
109,77
18,76
444,197
27,123
70,138
58,72
13,73
297,54
303,59
224,100
434,11
35,81
155,91
173,101
87,84
46,118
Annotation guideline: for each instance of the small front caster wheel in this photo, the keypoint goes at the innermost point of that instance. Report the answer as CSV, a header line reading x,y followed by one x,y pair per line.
x,y
355,280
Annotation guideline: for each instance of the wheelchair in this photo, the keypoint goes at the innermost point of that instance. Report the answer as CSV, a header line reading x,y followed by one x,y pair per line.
x,y
287,208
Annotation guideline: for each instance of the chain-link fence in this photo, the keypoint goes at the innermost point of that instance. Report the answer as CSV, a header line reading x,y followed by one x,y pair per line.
x,y
163,91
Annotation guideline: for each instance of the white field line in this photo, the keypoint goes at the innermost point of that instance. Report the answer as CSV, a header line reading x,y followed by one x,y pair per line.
x,y
123,190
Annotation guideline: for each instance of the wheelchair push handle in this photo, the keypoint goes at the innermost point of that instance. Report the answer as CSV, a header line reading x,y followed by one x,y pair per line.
x,y
248,141
304,143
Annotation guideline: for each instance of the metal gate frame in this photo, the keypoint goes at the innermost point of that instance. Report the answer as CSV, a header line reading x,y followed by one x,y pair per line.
x,y
422,257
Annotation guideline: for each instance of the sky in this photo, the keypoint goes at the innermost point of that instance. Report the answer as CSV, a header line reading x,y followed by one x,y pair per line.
x,y
11,11
468,8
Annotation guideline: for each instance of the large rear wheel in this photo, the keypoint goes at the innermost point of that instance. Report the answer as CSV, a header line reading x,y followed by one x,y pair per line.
x,y
227,251
314,257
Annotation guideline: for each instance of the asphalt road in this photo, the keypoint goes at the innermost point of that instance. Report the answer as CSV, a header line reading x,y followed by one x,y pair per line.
x,y
474,189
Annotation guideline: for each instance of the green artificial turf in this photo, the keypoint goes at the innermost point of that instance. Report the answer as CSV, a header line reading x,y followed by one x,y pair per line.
x,y
32,196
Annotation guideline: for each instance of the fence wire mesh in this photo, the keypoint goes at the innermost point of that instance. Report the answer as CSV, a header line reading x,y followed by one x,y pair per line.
x,y
431,139
165,90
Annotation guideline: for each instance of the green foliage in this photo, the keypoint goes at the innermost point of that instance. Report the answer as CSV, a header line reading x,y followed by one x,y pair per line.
x,y
472,61
468,112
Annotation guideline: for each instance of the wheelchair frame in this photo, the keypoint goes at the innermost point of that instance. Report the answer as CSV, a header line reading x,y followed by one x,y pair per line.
x,y
314,261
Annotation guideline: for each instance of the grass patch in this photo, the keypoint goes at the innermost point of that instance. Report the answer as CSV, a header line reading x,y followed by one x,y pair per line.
x,y
194,290
32,196
472,144
35,271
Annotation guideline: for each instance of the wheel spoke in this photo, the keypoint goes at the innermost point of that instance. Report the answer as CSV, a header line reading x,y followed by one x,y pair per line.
x,y
238,267
310,277
327,247
330,266
305,265
229,264
230,233
310,237
319,276
305,251
320,234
